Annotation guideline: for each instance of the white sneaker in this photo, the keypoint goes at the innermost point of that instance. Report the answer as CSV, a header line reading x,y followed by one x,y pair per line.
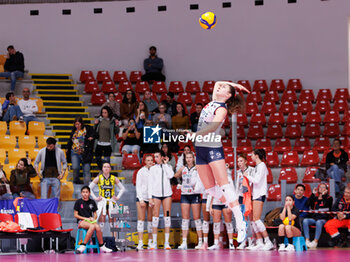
x,y
214,247
307,242
167,246
268,246
282,247
204,246
231,247
313,244
80,249
149,245
251,247
139,246
290,248
199,246
153,246
183,246
242,245
258,246
242,233
105,249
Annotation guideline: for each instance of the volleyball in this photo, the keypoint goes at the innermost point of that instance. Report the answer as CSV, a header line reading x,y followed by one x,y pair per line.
x,y
208,20
287,222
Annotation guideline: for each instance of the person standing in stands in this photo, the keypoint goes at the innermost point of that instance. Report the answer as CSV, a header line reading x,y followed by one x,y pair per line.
x,y
28,106
14,66
153,66
301,201
11,110
53,167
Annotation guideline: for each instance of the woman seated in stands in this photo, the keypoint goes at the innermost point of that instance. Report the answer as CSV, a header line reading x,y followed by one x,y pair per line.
x,y
20,179
162,118
320,200
5,191
290,226
141,115
113,105
131,137
180,120
165,149
128,107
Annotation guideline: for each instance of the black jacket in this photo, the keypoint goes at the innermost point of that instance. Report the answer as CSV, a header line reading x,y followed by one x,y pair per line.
x,y
340,161
15,63
324,204
342,205
88,153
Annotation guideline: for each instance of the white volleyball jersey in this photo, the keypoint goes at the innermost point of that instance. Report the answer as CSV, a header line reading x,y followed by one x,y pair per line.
x,y
190,178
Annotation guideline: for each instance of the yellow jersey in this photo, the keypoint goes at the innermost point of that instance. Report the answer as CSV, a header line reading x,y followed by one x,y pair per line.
x,y
106,186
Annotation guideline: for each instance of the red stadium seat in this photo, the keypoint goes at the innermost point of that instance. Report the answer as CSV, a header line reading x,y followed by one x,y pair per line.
x,y
250,160
276,118
254,97
118,97
294,118
307,95
340,105
108,87
272,159
312,130
274,131
331,116
264,143
286,107
119,76
244,146
321,144
242,119
271,96
176,196
260,86
131,161
344,142
310,158
141,87
163,97
269,176
245,83
341,93
289,95
159,88
185,98
268,108
309,175
258,119
324,94
208,86
135,76
192,87
289,159
226,142
324,156
293,131
313,117
52,222
277,85
202,98
289,174
124,86
91,87
226,121
346,129
304,107
323,106
282,145
85,75
230,159
134,176
302,144
98,99
331,130
294,84
251,108
176,87
240,132
103,76
274,193
255,132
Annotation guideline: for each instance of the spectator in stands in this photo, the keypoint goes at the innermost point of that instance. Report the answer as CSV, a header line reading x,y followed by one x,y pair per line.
x,y
170,104
180,160
153,66
147,148
131,137
165,149
20,179
128,107
53,167
162,118
80,150
85,213
5,191
341,205
151,104
290,226
106,129
336,164
11,111
320,200
14,66
301,201
113,105
141,115
195,117
28,106
180,120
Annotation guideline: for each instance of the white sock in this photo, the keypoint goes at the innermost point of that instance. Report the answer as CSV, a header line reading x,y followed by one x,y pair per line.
x,y
216,242
259,241
236,210
141,242
205,239
149,241
166,237
154,238
200,240
267,239
184,240
220,239
230,241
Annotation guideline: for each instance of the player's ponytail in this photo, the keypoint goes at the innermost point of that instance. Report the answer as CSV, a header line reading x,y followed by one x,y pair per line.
x,y
235,103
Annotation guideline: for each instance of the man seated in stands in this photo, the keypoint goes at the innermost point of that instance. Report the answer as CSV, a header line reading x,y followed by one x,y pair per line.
x,y
336,164
194,118
113,105
153,67
170,104
151,104
340,220
28,106
11,111
300,200
14,66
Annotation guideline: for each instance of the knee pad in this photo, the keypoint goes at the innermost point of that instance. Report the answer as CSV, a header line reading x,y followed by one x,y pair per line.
x,y
155,221
222,228
140,225
102,225
167,222
205,227
198,224
260,226
215,191
229,227
216,228
185,223
149,227
229,193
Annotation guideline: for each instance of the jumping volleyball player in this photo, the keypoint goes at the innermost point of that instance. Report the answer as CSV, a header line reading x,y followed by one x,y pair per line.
x,y
210,157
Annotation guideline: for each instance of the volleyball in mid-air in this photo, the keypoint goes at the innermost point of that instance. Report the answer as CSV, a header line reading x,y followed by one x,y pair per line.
x,y
207,20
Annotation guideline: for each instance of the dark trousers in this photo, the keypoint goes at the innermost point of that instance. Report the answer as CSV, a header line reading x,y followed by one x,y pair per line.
x,y
153,76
